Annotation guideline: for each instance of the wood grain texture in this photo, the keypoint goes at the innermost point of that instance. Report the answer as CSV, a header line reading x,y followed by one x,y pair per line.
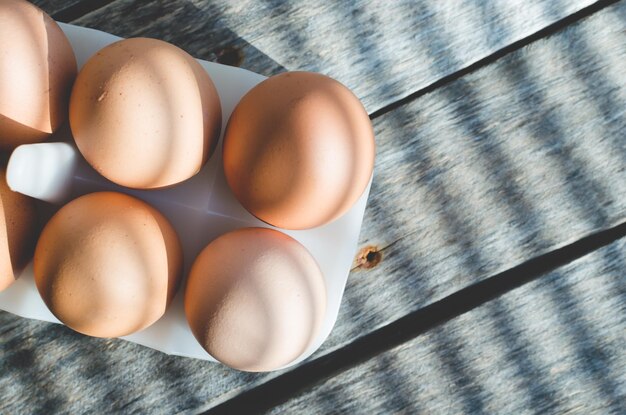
x,y
514,160
517,159
54,6
382,50
508,162
283,387
554,345
47,368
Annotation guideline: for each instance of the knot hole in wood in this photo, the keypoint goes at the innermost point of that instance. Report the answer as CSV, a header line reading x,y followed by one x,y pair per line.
x,y
368,257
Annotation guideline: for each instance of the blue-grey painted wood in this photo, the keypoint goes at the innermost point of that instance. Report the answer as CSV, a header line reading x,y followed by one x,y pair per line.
x,y
517,159
54,6
383,50
513,160
555,345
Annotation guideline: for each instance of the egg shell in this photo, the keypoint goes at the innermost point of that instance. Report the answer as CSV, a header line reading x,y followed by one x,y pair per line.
x,y
298,150
255,299
37,69
108,264
19,230
145,114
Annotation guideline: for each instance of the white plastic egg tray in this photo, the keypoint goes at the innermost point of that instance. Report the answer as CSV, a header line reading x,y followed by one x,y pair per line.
x,y
201,209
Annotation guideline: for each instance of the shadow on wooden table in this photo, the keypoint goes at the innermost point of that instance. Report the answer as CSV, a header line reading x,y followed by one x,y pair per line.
x,y
584,189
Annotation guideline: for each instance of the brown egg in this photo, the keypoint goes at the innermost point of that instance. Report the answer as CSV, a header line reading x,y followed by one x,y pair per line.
x,y
37,69
108,264
255,299
18,232
298,150
145,114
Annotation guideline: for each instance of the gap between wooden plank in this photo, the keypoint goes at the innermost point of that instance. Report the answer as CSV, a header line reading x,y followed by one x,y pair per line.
x,y
512,47
417,322
279,389
83,8
77,10
553,345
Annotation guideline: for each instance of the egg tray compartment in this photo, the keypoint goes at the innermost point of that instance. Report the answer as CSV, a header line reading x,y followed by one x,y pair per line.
x,y
200,209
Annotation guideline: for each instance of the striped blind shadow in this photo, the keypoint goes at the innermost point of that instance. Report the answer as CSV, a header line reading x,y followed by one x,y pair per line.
x,y
411,378
512,197
419,322
495,168
532,228
603,88
59,363
55,352
200,28
24,365
582,186
511,47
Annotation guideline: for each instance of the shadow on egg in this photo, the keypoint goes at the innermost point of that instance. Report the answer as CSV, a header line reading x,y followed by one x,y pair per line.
x,y
255,299
108,264
35,86
298,150
18,232
145,114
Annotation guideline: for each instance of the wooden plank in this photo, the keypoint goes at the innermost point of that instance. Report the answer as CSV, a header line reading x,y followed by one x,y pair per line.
x,y
54,6
290,384
47,368
382,50
498,212
514,160
554,345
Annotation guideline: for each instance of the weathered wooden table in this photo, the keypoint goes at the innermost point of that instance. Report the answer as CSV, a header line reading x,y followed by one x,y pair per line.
x,y
492,276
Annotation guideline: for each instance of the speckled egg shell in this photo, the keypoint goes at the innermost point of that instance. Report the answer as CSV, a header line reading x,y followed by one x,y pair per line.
x,y
255,299
37,69
108,264
145,114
